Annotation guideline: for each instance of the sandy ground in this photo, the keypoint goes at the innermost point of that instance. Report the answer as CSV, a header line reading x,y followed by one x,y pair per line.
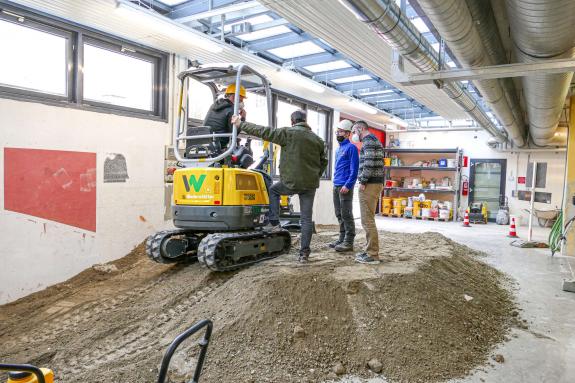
x,y
430,312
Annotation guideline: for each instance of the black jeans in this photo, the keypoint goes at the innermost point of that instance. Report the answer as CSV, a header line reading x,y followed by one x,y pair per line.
x,y
306,198
343,205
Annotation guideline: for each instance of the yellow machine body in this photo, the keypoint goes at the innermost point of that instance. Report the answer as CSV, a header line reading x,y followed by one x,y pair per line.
x,y
48,377
219,187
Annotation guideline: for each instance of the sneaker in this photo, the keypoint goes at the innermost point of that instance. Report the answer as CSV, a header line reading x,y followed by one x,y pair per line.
x,y
335,243
365,258
343,247
303,258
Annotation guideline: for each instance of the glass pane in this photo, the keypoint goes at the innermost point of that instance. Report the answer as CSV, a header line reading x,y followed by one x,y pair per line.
x,y
117,79
32,59
200,98
256,107
283,116
318,123
487,186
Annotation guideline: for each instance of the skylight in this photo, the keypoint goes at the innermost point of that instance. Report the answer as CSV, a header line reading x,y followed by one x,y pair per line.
x,y
332,65
420,25
171,3
262,34
296,50
361,77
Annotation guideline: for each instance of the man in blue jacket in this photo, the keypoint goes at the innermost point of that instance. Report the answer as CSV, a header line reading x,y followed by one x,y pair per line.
x,y
346,168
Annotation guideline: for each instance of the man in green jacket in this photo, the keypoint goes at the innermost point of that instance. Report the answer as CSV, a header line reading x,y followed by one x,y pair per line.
x,y
303,160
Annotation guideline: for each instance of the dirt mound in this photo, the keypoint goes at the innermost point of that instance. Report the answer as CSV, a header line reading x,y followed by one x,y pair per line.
x,y
431,311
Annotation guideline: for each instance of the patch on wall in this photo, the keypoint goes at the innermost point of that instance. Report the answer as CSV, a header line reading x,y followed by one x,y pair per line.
x,y
52,184
115,168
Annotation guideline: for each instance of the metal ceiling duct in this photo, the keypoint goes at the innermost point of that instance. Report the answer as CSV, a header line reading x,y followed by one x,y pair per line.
x,y
393,26
454,22
541,30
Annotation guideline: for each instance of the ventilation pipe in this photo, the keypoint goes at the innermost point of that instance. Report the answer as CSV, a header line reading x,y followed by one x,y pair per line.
x,y
387,20
542,30
454,22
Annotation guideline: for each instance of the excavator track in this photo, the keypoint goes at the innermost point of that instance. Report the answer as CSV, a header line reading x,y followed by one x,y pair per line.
x,y
230,251
171,246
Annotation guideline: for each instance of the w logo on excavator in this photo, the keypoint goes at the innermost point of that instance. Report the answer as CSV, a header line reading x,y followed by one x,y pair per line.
x,y
193,182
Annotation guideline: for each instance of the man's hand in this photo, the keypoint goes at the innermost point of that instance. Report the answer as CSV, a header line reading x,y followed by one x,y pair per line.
x,y
236,120
243,114
344,190
361,187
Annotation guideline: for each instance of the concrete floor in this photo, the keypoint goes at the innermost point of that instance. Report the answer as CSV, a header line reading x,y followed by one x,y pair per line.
x,y
546,351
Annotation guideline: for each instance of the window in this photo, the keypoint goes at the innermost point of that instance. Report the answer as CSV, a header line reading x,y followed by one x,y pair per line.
x,y
55,62
19,66
317,120
257,112
117,79
200,98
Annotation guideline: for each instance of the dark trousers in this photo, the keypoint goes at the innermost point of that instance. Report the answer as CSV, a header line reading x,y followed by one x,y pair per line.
x,y
343,205
306,198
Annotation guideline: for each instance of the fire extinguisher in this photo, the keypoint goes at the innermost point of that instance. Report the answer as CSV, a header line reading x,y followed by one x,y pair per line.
x,y
464,186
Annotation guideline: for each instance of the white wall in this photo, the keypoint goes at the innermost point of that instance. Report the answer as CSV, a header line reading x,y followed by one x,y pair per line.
x,y
474,145
35,252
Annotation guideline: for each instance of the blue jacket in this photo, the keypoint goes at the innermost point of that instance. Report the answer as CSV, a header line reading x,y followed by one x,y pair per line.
x,y
346,165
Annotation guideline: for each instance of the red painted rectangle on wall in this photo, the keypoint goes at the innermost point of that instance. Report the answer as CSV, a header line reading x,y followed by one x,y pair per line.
x,y
51,184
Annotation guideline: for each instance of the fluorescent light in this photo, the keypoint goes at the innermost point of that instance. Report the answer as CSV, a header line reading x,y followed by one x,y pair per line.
x,y
161,24
296,50
302,81
332,65
363,106
172,2
377,92
361,77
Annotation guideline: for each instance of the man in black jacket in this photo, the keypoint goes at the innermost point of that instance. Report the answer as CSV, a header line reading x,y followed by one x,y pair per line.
x,y
219,117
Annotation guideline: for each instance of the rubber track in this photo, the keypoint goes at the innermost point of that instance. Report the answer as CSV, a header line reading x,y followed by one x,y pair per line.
x,y
209,245
154,242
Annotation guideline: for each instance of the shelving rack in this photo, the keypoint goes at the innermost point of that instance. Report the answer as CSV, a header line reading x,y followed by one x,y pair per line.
x,y
414,154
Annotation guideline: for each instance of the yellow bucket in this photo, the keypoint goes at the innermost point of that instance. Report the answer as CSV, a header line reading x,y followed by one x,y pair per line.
x,y
398,210
387,161
386,202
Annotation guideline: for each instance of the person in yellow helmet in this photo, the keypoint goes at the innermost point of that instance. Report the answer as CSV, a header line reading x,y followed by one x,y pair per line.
x,y
220,114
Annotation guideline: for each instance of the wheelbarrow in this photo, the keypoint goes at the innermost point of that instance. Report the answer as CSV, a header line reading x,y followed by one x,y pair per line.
x,y
545,218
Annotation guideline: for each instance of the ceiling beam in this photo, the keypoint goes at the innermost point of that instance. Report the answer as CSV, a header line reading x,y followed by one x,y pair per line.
x,y
201,10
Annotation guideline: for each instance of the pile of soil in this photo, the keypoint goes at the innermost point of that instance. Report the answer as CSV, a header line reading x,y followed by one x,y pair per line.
x,y
430,312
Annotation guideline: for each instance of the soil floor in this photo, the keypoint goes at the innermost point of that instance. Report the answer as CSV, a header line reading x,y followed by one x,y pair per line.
x,y
431,311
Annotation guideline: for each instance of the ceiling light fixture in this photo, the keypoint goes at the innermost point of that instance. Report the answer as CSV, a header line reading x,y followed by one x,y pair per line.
x,y
161,24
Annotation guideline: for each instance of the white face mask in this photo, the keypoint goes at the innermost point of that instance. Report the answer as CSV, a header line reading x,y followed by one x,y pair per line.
x,y
355,138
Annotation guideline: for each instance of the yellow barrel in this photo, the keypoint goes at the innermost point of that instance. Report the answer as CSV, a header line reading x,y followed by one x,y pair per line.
x,y
386,202
416,208
398,210
400,201
426,204
27,377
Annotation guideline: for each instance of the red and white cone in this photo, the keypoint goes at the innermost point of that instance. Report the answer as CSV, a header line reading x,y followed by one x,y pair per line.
x,y
466,220
512,229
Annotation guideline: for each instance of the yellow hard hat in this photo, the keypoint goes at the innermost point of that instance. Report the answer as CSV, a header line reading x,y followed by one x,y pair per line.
x,y
231,89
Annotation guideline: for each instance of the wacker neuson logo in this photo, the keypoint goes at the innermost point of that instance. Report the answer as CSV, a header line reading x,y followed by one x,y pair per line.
x,y
193,182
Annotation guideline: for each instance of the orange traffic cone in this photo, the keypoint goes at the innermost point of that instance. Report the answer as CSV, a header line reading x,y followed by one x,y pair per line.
x,y
512,230
466,220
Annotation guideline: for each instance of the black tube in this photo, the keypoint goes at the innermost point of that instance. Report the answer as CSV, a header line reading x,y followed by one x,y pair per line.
x,y
176,343
24,368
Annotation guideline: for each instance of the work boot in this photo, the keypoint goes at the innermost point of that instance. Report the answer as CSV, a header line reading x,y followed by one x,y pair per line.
x,y
344,246
335,243
303,257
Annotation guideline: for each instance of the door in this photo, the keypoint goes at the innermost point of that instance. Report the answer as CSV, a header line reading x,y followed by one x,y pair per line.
x,y
487,183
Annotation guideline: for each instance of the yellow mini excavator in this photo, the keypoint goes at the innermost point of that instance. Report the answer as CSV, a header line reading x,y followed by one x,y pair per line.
x,y
219,205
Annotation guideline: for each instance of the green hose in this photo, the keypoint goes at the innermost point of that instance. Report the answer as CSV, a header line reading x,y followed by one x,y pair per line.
x,y
556,234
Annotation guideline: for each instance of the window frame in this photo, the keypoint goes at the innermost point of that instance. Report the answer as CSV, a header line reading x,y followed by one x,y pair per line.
x,y
76,36
305,105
